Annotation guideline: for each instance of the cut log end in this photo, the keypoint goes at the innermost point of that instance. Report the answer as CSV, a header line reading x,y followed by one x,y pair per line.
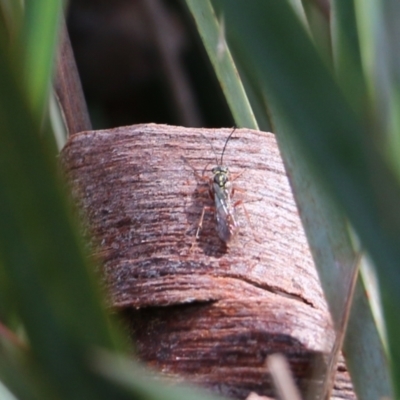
x,y
198,309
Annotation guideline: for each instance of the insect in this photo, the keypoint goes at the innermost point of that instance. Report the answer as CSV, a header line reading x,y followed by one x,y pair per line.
x,y
221,190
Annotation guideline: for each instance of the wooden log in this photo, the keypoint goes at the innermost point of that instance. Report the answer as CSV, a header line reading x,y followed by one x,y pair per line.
x,y
200,310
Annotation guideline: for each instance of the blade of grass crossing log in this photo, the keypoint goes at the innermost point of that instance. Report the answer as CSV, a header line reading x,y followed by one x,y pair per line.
x,y
141,384
42,257
331,246
363,332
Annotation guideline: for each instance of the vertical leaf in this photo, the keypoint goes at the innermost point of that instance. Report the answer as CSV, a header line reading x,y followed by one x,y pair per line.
x,y
318,22
379,34
213,35
39,39
41,255
346,54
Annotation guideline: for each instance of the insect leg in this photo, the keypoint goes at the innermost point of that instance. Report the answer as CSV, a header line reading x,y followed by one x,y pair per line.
x,y
200,226
241,203
236,176
201,177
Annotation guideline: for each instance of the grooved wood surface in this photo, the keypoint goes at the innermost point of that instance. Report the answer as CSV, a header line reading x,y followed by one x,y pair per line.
x,y
199,310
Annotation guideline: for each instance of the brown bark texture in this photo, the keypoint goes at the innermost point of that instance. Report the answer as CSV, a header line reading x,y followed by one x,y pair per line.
x,y
199,310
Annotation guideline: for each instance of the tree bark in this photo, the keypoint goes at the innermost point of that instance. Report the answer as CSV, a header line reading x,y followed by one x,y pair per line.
x,y
199,310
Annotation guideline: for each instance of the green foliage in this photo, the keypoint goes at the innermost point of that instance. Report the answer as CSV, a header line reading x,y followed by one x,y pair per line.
x,y
213,36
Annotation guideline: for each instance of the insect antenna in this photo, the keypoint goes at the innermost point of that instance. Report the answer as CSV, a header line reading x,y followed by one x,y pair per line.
x,y
226,142
210,143
223,150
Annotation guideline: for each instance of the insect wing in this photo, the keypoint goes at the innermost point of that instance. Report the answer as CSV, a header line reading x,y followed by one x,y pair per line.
x,y
227,225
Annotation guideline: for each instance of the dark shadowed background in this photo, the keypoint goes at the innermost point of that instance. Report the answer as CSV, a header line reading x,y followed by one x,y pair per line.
x,y
128,71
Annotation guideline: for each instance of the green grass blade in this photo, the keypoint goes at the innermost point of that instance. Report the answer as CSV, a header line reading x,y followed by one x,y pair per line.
x,y
212,33
16,378
379,33
5,394
11,16
346,54
327,233
41,255
142,385
298,8
39,39
277,50
317,14
362,332
6,303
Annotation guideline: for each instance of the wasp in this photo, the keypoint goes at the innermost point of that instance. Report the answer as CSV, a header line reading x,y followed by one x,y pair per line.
x,y
221,190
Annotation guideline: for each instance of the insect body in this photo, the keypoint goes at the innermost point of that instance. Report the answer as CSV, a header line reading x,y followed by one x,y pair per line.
x,y
221,191
225,214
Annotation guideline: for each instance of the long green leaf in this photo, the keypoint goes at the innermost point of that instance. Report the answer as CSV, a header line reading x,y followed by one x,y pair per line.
x,y
41,255
18,377
213,36
39,39
332,250
298,8
318,22
140,383
363,333
346,54
379,34
11,16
